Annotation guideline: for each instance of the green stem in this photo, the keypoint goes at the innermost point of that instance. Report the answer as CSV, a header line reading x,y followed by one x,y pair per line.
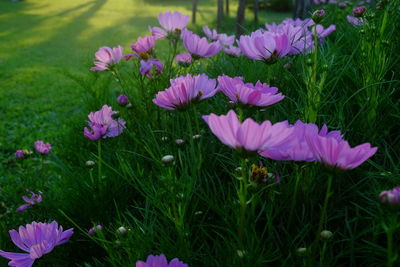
x,y
324,213
294,198
242,195
99,160
389,236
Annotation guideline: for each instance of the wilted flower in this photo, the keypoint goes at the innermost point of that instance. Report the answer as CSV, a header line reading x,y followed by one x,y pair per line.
x,y
184,59
19,154
103,125
264,46
185,90
30,201
42,148
359,11
199,47
160,261
337,152
260,94
107,57
147,66
37,239
122,100
94,229
248,136
390,197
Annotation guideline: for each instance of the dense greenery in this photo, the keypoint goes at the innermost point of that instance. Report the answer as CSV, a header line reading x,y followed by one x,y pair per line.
x,y
190,208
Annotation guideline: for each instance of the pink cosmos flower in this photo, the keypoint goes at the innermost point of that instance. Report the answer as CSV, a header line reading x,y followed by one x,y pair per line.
x,y
172,22
210,33
142,47
158,33
297,149
390,197
184,59
160,261
107,57
185,90
249,136
147,66
199,47
233,51
103,125
337,152
264,46
30,202
226,40
37,239
260,94
42,148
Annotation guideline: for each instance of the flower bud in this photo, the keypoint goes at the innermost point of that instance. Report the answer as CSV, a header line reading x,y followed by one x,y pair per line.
x,y
122,100
196,137
129,105
301,251
326,234
19,154
390,197
309,62
122,230
359,11
168,159
342,5
325,67
179,142
318,15
241,253
164,138
90,163
94,229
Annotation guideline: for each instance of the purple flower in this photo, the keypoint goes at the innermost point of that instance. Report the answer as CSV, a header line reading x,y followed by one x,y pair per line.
x,y
390,197
297,149
248,136
359,11
160,261
356,21
31,201
199,47
158,33
172,22
142,48
184,59
226,40
122,100
264,46
103,125
260,95
94,229
300,38
36,239
107,57
19,154
210,33
185,90
336,152
232,51
147,66
42,148
342,5
322,32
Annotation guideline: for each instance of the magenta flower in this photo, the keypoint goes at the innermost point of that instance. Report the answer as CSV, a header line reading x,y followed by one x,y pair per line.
x,y
356,22
107,57
248,136
30,202
199,47
260,95
210,33
233,51
264,46
359,11
390,197
94,229
185,90
160,261
297,149
103,125
122,100
184,59
173,22
300,38
19,154
42,148
336,152
147,66
37,239
142,48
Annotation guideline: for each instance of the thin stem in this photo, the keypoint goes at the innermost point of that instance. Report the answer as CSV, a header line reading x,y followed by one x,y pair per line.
x,y
294,198
242,195
324,213
99,160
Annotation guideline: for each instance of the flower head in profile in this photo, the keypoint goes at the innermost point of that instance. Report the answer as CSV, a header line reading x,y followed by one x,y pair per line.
x,y
184,90
260,94
199,47
336,152
42,148
298,149
248,136
210,33
103,125
30,201
107,57
232,51
390,197
160,261
184,59
356,22
37,239
142,48
265,46
173,22
146,67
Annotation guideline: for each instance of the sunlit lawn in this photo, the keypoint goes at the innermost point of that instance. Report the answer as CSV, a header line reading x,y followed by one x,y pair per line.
x,y
41,40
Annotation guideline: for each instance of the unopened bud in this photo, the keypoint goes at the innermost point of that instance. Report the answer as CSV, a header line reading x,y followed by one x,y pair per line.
x,y
301,251
326,234
122,230
359,11
90,163
129,105
168,159
122,100
196,137
164,138
318,15
179,142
